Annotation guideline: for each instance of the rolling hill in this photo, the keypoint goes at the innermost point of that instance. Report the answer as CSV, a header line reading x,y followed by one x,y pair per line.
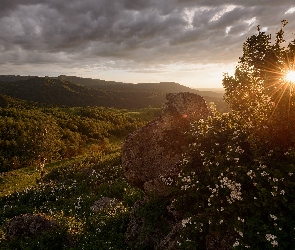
x,y
74,91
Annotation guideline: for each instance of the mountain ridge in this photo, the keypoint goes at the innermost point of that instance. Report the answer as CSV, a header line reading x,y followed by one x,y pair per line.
x,y
77,91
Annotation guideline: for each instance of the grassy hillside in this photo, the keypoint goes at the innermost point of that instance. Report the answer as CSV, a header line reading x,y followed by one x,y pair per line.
x,y
82,147
31,134
66,195
70,185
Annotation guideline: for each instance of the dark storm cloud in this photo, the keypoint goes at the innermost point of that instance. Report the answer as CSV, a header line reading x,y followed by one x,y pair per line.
x,y
273,3
142,31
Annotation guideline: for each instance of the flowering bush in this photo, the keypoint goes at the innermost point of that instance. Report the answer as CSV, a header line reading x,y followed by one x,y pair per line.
x,y
228,189
236,186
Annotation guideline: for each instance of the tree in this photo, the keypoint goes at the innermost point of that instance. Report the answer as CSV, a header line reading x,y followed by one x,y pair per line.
x,y
260,89
236,185
43,142
28,137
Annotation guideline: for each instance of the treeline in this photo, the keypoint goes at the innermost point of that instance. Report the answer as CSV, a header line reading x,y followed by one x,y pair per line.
x,y
36,135
75,91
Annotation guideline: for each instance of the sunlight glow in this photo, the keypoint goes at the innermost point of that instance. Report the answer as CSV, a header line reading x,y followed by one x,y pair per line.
x,y
290,77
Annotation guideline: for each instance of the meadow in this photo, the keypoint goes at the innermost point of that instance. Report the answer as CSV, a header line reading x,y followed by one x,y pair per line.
x,y
82,166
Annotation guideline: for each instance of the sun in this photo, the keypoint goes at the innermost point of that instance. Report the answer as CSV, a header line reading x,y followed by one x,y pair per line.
x,y
290,76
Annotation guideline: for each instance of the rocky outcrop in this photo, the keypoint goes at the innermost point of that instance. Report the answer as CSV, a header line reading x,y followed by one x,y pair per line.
x,y
151,153
28,225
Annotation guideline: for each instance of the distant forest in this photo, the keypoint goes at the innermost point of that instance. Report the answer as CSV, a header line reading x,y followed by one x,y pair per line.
x,y
72,91
44,119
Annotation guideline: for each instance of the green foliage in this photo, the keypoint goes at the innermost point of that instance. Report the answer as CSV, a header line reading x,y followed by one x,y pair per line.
x,y
69,187
229,188
150,222
260,90
17,180
35,136
66,195
28,137
237,181
153,213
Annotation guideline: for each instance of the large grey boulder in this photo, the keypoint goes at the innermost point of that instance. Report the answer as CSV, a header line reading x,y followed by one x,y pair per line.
x,y
151,153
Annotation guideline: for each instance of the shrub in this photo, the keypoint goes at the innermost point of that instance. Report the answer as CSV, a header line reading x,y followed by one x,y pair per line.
x,y
235,188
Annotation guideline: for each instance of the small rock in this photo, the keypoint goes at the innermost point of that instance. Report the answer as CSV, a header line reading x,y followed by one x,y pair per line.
x,y
104,203
28,225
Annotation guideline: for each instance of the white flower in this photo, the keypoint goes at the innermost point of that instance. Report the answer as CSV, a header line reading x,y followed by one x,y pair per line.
x,y
264,173
241,219
239,150
236,244
233,186
251,174
270,237
185,187
184,222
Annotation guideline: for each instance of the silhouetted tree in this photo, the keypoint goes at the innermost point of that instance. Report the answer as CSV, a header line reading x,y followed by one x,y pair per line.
x,y
259,89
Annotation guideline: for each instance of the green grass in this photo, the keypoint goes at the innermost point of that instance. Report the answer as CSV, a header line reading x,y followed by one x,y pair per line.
x,y
17,180
146,114
66,194
20,179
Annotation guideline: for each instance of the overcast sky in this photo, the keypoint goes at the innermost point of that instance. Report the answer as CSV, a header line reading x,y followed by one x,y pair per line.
x,y
191,42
